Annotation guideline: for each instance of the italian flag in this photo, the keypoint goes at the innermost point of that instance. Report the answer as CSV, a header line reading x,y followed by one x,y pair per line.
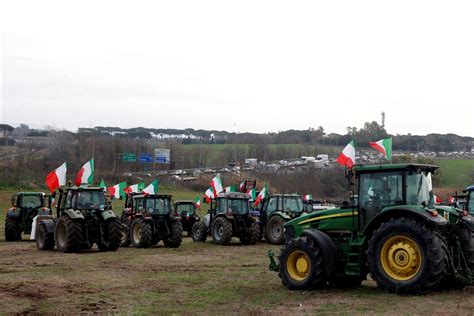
x,y
384,146
308,197
86,174
261,196
56,178
253,194
152,188
216,185
118,190
197,202
230,189
102,184
347,157
209,195
135,188
242,186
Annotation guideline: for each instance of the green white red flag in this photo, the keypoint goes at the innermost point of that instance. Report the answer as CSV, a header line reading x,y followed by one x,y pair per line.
x,y
384,146
197,202
152,188
209,195
117,191
261,196
56,178
347,157
135,188
308,197
253,194
216,184
242,186
230,188
85,174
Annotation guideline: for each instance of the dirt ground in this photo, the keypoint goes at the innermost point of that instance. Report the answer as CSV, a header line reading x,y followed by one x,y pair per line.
x,y
195,278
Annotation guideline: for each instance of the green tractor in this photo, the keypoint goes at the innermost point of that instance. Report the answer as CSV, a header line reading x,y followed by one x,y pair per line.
x,y
149,218
276,211
229,216
25,207
83,218
394,233
188,212
469,206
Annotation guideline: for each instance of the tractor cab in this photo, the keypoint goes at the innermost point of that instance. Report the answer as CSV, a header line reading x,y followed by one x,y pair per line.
x,y
290,204
187,211
154,205
469,206
231,203
89,201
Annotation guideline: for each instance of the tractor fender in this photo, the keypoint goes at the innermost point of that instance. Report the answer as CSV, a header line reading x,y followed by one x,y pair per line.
x,y
425,216
44,211
282,214
207,220
108,214
49,222
74,214
13,212
328,247
144,218
467,221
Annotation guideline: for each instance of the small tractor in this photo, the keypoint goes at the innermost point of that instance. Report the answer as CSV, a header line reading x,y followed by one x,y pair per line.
x,y
395,233
148,218
275,212
229,216
469,206
83,218
187,211
25,206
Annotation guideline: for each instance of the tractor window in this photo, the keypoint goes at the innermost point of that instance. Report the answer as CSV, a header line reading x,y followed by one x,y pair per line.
x,y
89,200
221,207
272,205
31,201
377,191
185,209
238,206
292,204
470,203
158,205
419,189
138,204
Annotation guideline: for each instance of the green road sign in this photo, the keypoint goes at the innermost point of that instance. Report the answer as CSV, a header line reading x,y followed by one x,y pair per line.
x,y
129,157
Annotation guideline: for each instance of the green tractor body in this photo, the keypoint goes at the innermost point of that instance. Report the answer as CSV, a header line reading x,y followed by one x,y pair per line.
x,y
148,219
83,218
229,216
392,231
25,207
189,216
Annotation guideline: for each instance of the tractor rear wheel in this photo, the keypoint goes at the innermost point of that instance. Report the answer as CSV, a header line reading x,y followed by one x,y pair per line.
x,y
252,235
199,231
111,235
44,239
275,231
175,236
141,233
406,256
302,265
12,229
221,231
68,234
125,238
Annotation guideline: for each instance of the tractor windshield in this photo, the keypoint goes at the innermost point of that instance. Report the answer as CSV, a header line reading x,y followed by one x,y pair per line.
x,y
160,206
185,209
470,202
238,206
292,204
88,200
420,189
31,201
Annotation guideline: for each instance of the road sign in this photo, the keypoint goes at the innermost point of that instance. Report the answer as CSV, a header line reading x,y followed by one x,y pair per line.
x,y
145,158
162,155
129,157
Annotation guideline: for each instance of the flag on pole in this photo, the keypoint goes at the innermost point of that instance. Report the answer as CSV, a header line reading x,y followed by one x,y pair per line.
x,y
242,186
209,195
261,196
56,178
216,185
85,174
230,188
253,194
152,188
384,146
135,188
117,191
308,197
197,202
102,184
347,157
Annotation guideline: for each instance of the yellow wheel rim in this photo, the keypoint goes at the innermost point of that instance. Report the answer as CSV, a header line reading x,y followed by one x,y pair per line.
x,y
401,258
298,265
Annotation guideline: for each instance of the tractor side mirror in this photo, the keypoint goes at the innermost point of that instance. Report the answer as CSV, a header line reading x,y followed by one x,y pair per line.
x,y
15,200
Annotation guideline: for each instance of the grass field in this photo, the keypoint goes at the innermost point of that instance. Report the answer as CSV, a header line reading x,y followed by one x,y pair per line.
x,y
457,173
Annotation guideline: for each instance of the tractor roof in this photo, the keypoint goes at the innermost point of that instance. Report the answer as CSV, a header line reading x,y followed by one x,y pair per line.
x,y
152,196
286,195
469,188
393,167
184,202
30,193
233,195
81,188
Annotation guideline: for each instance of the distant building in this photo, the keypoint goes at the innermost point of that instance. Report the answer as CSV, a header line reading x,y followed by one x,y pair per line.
x,y
5,134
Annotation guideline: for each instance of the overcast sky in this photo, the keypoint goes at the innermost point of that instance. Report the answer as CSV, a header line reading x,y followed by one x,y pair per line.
x,y
241,66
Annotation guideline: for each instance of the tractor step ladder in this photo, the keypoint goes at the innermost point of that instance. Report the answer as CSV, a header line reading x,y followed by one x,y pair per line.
x,y
353,264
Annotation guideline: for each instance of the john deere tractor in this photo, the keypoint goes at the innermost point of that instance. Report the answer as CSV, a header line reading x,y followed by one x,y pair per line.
x,y
148,219
83,218
394,233
229,216
25,206
276,211
187,211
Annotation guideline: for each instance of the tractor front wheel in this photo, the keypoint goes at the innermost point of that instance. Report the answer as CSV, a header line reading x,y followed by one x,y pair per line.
x,y
111,235
12,229
44,239
68,234
199,231
406,256
175,235
302,265
125,238
221,231
275,231
141,233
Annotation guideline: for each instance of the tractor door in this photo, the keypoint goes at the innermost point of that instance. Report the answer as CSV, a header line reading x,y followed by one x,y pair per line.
x,y
470,202
377,191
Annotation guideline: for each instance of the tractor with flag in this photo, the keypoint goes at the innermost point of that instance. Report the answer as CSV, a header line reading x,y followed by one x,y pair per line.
x,y
188,212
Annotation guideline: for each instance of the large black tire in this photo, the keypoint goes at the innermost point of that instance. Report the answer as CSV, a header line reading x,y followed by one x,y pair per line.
x,y
252,235
125,224
221,231
406,256
275,231
111,235
199,232
12,229
141,233
68,234
44,239
173,240
302,265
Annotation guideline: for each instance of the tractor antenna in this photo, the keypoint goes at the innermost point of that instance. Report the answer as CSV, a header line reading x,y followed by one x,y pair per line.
x,y
383,119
